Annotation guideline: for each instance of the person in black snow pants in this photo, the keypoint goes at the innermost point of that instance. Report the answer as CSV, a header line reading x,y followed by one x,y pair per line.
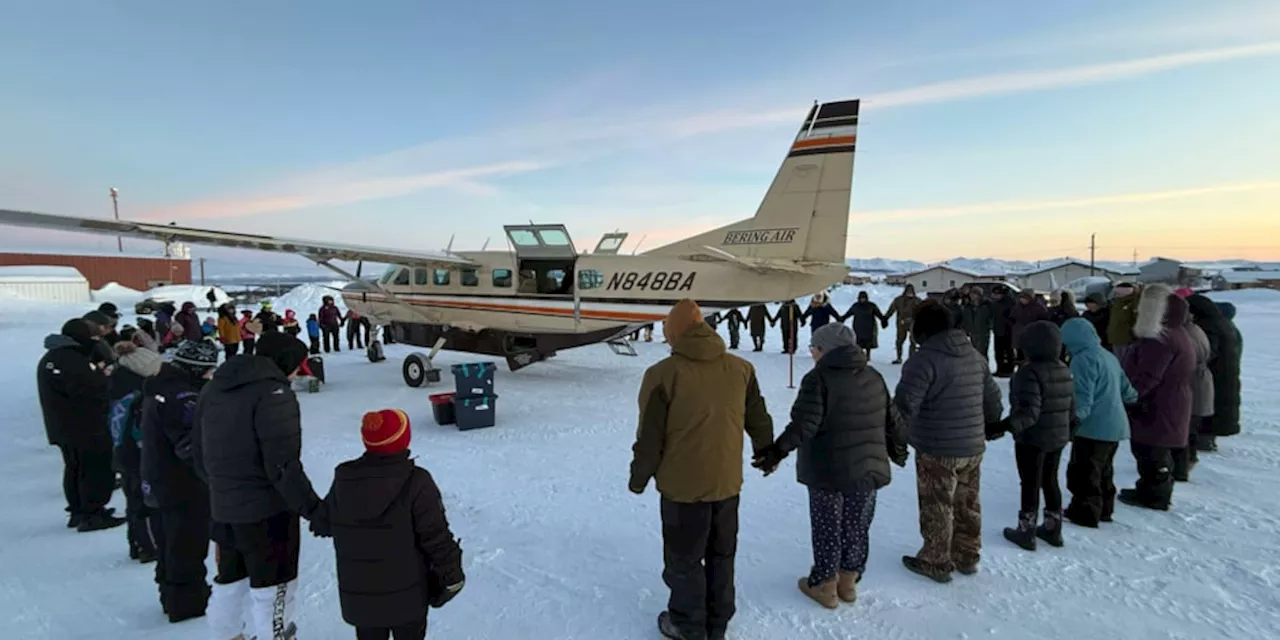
x,y
75,400
136,366
846,430
735,319
1042,419
396,556
867,320
820,312
757,317
249,434
180,522
791,318
357,330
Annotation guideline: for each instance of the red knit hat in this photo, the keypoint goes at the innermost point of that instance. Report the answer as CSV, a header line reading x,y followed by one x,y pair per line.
x,y
385,431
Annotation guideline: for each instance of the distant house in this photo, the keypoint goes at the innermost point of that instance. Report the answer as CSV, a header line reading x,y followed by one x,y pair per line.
x,y
46,283
856,278
1246,279
1054,276
944,277
1168,271
897,279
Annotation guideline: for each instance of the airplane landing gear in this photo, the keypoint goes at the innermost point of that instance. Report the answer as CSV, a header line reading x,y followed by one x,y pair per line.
x,y
418,371
375,352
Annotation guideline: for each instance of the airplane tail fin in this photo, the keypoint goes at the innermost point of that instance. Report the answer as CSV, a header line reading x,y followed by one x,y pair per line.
x,y
805,213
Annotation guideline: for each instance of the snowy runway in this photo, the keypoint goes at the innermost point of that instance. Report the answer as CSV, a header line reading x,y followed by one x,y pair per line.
x,y
556,547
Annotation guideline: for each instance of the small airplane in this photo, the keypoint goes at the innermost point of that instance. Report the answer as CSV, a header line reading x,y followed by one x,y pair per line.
x,y
542,296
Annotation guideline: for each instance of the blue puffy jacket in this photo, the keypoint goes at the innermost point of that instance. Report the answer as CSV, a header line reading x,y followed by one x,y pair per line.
x,y
1102,388
818,317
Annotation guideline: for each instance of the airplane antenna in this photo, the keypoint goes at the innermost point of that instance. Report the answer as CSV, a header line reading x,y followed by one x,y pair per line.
x,y
449,249
637,247
486,243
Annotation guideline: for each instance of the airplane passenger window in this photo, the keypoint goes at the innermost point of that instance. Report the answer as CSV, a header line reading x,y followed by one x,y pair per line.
x,y
502,277
610,244
554,237
402,278
590,279
442,277
470,278
523,238
421,277
389,274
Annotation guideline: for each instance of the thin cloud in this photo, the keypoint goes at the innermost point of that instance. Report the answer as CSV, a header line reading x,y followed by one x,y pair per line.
x,y
548,144
1025,206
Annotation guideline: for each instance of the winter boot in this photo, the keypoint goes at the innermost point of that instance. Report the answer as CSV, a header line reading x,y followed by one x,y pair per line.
x,y
98,522
968,570
918,566
1132,498
1025,535
1051,530
847,586
273,610
668,629
824,593
1080,516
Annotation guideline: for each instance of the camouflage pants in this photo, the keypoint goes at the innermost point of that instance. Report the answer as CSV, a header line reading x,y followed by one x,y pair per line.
x,y
904,335
950,511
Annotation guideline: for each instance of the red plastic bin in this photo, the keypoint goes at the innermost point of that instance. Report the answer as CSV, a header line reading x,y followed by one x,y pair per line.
x,y
442,408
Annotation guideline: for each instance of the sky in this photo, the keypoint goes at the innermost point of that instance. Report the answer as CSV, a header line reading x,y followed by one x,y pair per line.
x,y
989,128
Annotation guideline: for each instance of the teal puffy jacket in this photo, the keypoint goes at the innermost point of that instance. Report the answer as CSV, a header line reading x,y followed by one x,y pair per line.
x,y
1102,388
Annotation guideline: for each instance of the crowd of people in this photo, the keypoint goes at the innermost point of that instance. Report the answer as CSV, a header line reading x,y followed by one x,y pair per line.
x,y
210,453
1155,366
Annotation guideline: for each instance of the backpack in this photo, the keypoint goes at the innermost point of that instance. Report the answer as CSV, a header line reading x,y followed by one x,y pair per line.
x,y
125,418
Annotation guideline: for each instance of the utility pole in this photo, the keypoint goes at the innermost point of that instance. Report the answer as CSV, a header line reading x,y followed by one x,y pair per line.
x,y
115,207
1093,248
1135,257
202,272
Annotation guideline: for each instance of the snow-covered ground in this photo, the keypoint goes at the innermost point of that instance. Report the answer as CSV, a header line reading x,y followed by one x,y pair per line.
x,y
556,547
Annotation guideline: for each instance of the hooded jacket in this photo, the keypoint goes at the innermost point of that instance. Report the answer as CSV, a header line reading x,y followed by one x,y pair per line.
x,y
1124,313
1065,310
190,322
74,393
249,437
1101,387
1224,363
867,319
168,457
905,307
330,315
694,407
1161,364
228,330
844,425
819,315
790,316
1202,384
391,538
946,396
1023,315
1041,394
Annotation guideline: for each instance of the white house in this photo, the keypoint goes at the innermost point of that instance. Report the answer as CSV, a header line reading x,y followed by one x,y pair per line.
x,y
1168,271
943,277
1054,276
49,284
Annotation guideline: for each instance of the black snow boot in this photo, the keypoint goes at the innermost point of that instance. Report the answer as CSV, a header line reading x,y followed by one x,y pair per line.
x,y
1206,442
99,521
668,629
1132,498
1025,535
1051,530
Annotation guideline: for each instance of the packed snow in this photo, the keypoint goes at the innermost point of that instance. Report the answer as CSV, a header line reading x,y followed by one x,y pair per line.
x,y
306,299
119,294
555,547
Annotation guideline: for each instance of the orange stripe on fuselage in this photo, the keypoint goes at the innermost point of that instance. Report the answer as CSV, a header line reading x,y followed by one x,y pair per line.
x,y
823,142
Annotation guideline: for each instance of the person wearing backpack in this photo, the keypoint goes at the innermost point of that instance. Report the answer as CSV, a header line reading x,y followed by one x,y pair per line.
x,y
396,556
136,366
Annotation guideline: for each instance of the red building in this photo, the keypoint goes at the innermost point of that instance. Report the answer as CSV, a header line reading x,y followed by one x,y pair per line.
x,y
136,272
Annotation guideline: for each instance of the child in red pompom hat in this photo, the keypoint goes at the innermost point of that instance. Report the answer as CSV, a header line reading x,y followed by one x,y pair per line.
x,y
396,556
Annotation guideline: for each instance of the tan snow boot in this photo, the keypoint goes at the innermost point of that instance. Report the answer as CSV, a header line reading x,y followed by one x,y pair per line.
x,y
847,587
824,594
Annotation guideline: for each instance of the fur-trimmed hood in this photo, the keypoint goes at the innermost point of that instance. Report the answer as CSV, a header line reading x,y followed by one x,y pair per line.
x,y
1067,298
1158,308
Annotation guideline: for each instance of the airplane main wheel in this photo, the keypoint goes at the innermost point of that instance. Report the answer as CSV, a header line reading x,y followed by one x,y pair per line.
x,y
415,369
375,352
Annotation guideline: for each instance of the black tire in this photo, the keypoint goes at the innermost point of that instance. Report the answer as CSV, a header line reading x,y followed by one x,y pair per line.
x,y
415,370
374,352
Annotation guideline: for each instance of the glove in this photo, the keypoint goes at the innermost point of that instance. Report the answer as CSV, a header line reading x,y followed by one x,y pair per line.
x,y
768,458
320,528
996,430
636,488
447,594
899,457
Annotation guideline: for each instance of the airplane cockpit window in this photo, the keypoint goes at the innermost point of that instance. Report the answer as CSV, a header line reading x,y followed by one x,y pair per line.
x,y
421,277
609,244
442,277
554,237
470,278
389,274
502,278
523,238
402,278
590,279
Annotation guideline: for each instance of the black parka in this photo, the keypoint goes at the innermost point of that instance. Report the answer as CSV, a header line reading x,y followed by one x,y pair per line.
x,y
394,549
844,425
1042,405
168,415
757,318
1224,363
74,395
249,436
867,320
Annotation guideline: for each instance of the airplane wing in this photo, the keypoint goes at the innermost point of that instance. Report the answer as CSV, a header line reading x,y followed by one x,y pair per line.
x,y
318,252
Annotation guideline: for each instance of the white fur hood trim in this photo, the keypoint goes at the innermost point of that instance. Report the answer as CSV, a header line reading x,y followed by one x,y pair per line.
x,y
1152,306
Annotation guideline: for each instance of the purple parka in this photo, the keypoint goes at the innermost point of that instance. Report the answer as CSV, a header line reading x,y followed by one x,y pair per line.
x,y
1161,364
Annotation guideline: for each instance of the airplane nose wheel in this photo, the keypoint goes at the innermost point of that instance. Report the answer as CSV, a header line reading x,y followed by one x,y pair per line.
x,y
375,352
418,371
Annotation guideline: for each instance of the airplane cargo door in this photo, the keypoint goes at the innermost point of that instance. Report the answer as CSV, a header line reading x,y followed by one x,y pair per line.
x,y
545,271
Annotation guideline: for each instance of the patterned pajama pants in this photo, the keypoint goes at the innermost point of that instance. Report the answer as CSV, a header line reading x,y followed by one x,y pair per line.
x,y
841,529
